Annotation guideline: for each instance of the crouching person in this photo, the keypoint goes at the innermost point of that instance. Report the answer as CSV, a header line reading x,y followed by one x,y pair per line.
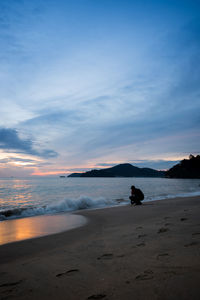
x,y
136,196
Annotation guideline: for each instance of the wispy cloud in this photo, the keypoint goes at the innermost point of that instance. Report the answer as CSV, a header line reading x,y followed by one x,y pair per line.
x,y
16,159
83,91
105,164
155,164
10,141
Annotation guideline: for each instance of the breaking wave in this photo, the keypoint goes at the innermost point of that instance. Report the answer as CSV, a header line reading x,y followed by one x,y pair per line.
x,y
67,205
83,202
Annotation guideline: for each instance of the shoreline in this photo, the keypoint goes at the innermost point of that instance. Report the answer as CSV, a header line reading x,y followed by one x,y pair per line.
x,y
14,213
72,223
143,252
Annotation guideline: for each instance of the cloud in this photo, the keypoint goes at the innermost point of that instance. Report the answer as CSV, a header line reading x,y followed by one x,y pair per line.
x,y
78,169
99,94
10,140
142,163
48,153
105,164
16,159
15,171
155,164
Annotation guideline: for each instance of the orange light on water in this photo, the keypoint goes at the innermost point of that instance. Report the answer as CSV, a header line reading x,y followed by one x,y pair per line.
x,y
16,230
28,228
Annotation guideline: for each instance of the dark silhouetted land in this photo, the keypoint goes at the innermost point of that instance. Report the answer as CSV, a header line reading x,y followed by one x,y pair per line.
x,y
121,170
187,168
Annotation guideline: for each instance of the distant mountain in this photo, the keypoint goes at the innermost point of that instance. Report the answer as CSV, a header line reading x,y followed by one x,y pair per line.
x,y
122,170
187,168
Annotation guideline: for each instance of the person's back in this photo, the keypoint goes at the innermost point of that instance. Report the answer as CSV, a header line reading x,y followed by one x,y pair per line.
x,y
139,194
136,196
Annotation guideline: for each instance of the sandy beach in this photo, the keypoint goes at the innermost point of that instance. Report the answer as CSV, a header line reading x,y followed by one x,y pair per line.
x,y
144,252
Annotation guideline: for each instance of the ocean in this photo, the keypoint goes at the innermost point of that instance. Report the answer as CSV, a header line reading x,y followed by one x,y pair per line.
x,y
27,197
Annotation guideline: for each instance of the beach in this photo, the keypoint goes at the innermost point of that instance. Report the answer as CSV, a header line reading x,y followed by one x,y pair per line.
x,y
150,251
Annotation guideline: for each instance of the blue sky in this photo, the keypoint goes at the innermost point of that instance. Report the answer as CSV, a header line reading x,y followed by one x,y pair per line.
x,y
94,83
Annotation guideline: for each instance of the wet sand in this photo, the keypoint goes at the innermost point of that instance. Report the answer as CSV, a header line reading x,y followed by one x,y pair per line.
x,y
32,227
144,252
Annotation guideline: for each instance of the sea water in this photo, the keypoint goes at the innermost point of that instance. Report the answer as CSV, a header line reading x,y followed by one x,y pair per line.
x,y
26,197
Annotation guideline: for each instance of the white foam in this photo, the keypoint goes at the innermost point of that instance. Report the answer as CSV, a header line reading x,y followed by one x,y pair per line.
x,y
82,202
67,205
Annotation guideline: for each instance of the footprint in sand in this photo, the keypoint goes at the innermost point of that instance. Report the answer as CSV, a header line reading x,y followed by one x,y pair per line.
x,y
141,235
168,224
67,272
98,296
141,245
148,274
162,255
191,244
106,256
183,219
162,230
11,283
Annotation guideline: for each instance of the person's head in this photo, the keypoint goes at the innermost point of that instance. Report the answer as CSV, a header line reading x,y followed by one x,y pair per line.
x,y
132,187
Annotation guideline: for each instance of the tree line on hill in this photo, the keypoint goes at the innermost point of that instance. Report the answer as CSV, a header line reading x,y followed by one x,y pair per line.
x,y
187,168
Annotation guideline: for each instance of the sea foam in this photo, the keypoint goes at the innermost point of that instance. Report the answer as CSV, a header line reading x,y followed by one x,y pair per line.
x,y
66,205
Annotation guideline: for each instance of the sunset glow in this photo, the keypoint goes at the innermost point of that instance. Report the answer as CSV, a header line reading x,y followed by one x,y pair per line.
x,y
90,94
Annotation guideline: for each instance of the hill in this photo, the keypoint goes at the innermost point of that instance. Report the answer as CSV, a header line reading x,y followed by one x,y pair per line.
x,y
121,170
75,175
187,168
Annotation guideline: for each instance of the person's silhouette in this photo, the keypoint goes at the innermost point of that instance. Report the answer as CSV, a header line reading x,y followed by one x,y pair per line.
x,y
136,196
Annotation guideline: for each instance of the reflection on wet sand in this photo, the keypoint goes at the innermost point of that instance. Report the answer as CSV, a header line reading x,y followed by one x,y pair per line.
x,y
27,228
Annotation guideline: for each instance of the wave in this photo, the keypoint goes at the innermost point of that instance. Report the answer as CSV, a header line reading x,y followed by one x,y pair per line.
x,y
83,202
67,205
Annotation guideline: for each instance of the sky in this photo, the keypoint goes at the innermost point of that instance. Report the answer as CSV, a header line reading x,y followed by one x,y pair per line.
x,y
92,83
